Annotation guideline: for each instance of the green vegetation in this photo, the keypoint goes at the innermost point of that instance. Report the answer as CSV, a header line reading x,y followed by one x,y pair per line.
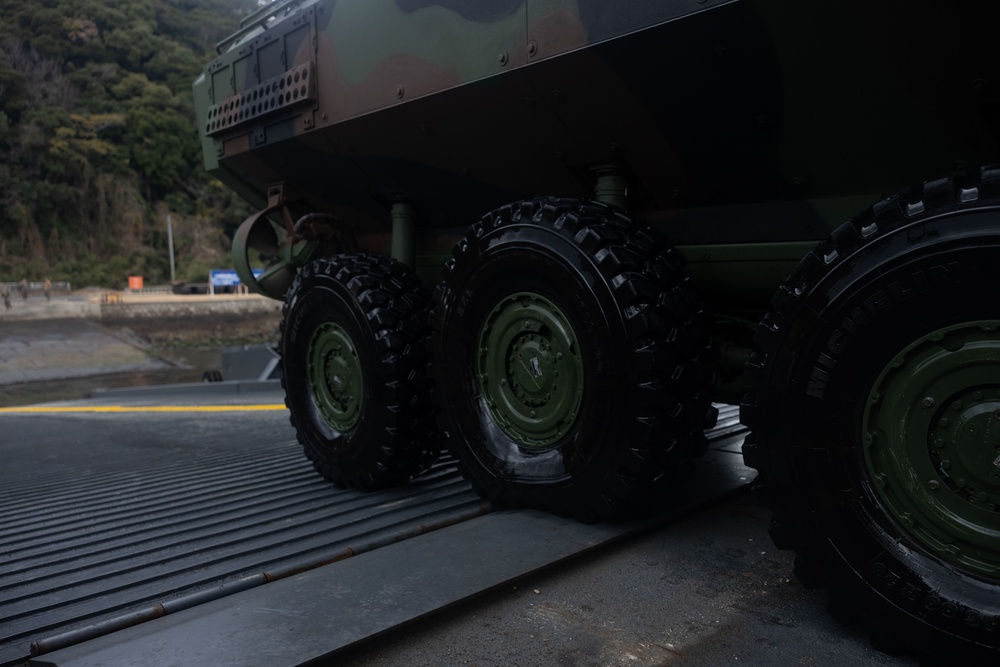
x,y
98,141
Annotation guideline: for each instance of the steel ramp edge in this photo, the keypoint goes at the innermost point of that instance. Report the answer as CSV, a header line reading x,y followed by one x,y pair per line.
x,y
315,614
189,389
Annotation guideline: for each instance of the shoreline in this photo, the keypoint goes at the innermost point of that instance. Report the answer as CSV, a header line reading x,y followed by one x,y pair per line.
x,y
111,304
58,353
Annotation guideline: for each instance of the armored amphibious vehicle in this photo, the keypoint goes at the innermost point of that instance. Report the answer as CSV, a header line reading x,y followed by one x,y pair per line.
x,y
552,235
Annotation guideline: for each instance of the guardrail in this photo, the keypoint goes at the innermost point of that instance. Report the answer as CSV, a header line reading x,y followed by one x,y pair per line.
x,y
156,289
258,19
59,286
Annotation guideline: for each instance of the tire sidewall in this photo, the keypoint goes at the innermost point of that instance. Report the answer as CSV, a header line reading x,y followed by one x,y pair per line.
x,y
917,279
322,299
551,265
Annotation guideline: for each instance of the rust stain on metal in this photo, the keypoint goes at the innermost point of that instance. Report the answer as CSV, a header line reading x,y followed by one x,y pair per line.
x,y
56,642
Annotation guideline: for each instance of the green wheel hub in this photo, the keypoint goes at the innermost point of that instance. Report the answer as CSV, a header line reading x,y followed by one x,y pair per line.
x,y
530,370
335,376
931,434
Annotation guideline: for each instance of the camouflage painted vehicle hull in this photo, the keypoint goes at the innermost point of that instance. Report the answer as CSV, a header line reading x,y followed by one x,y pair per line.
x,y
527,160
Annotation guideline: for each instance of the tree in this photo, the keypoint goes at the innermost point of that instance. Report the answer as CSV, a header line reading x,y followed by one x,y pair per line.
x,y
97,134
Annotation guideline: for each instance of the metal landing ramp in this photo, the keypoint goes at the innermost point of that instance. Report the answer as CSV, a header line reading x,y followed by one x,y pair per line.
x,y
145,535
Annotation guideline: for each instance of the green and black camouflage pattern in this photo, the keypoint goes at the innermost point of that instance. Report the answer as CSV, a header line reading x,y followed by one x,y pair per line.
x,y
736,121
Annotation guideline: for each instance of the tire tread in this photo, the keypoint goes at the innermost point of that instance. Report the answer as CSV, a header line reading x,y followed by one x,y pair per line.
x,y
792,521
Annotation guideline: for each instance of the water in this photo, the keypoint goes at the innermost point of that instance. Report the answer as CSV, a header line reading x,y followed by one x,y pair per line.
x,y
188,365
63,358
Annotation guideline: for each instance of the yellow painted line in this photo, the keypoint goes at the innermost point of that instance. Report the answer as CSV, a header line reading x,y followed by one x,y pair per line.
x,y
140,408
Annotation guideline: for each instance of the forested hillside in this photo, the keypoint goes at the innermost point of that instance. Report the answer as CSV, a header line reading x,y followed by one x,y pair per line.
x,y
98,142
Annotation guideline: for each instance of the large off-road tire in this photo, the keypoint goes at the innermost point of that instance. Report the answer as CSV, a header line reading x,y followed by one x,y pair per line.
x,y
875,417
573,366
354,369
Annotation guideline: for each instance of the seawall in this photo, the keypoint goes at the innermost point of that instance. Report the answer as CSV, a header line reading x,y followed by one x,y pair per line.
x,y
120,308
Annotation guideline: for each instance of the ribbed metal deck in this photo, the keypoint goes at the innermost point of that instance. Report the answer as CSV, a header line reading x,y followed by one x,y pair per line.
x,y
106,515
107,520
